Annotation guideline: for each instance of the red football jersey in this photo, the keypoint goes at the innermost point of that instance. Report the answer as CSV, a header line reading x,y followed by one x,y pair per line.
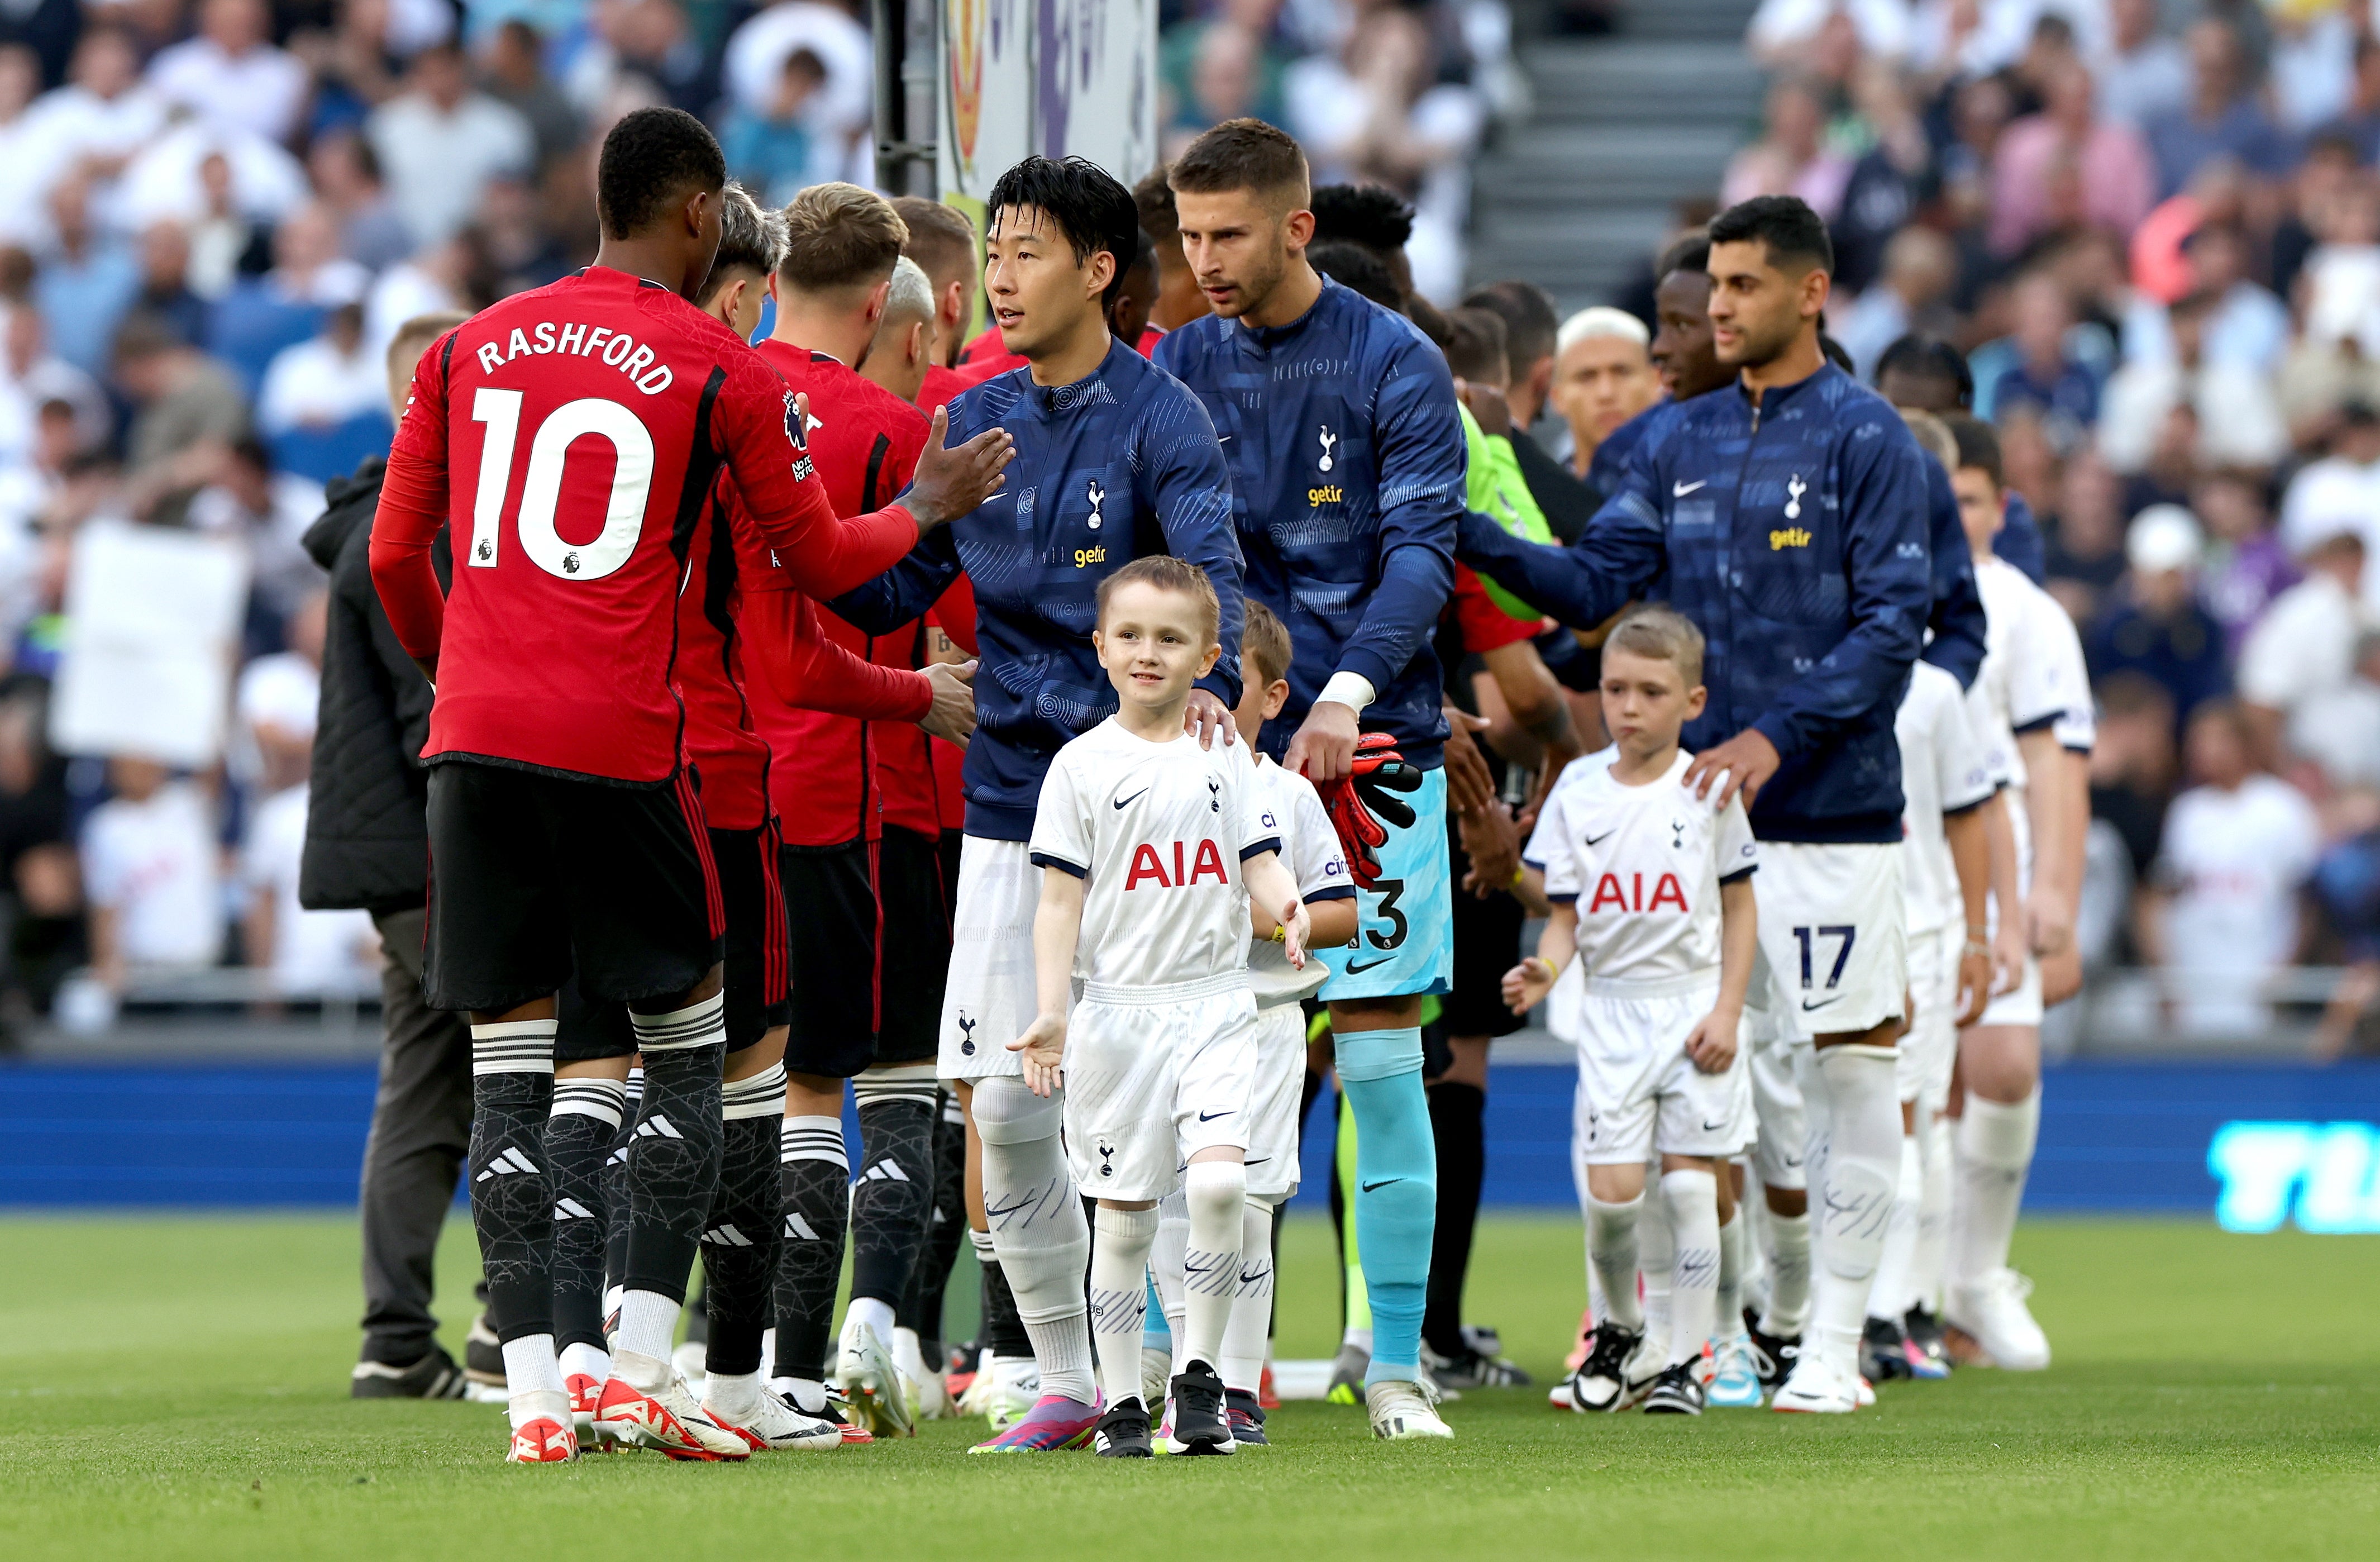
x,y
570,435
835,779
739,616
1485,624
1149,336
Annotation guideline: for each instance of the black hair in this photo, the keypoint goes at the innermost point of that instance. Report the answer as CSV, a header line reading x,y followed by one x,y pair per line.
x,y
1929,357
1688,252
1792,233
1475,344
1836,354
652,159
1144,250
1530,324
1356,267
1372,215
1089,206
1979,444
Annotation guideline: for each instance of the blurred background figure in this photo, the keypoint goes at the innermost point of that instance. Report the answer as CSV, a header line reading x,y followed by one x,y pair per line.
x,y
1603,376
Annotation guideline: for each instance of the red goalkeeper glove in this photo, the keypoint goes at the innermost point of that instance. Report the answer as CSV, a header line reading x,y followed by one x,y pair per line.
x,y
1359,800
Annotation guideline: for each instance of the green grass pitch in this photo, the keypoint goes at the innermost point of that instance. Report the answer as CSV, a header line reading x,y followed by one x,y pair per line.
x,y
176,1388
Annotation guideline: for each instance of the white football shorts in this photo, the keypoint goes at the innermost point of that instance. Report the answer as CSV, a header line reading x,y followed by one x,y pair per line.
x,y
1781,1120
1273,1098
1153,1076
1922,1072
989,1000
1639,1094
1834,927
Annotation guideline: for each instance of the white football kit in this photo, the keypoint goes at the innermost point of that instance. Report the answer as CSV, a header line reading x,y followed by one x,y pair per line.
x,y
1945,770
1643,865
1309,846
1160,1048
2033,678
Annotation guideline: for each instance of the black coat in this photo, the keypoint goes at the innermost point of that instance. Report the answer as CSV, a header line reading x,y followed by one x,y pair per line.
x,y
367,840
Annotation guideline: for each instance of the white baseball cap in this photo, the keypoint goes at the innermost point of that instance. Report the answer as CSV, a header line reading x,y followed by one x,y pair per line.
x,y
2164,537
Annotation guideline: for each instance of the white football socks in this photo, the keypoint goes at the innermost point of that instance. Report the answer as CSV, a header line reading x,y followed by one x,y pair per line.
x,y
874,1311
1994,1151
736,1395
1165,1259
1852,1101
1692,1200
1216,1193
1734,1247
1120,1297
533,1382
1042,1237
640,1347
1656,1251
1931,1249
586,1361
1788,1257
1248,1335
1890,1295
1611,1250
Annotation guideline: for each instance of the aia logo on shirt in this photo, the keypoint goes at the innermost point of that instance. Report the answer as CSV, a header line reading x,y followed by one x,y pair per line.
x,y
1610,893
1149,864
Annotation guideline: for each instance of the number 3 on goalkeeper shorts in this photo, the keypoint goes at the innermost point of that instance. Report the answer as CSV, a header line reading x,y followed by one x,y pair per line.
x,y
1801,935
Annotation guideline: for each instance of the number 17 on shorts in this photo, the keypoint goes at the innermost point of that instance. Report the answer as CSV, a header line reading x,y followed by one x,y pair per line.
x,y
1832,925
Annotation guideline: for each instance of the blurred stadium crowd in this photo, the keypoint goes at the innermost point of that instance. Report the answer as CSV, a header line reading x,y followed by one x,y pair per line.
x,y
2148,231
214,215
2151,234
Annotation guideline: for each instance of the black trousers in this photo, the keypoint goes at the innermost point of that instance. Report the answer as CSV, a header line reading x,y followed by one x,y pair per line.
x,y
420,1133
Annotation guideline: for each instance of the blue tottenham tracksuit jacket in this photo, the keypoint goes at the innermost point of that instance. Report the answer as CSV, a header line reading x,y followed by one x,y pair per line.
x,y
1347,479
1957,618
1795,533
1116,466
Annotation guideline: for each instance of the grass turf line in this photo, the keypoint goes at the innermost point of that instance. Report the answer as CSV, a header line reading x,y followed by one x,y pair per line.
x,y
177,1388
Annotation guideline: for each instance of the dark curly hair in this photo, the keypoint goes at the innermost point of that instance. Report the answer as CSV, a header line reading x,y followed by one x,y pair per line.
x,y
652,159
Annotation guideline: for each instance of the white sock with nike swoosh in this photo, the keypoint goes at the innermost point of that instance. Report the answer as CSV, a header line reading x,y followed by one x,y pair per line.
x,y
1217,1193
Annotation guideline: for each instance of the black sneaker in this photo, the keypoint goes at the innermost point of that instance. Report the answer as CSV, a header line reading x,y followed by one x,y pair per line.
x,y
1247,1418
1602,1383
1675,1392
434,1376
483,1354
1122,1432
1473,1369
1931,1356
1198,1426
1884,1351
1773,1355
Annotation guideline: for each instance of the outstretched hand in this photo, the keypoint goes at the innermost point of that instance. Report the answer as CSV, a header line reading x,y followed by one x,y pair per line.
x,y
1044,1047
1743,763
949,483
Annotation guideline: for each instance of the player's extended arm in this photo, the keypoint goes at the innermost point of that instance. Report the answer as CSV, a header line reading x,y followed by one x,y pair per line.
x,y
1968,835
804,668
903,594
2049,907
1272,885
1056,928
1712,1044
1526,985
1191,490
1418,437
1890,588
1621,552
2008,942
1535,698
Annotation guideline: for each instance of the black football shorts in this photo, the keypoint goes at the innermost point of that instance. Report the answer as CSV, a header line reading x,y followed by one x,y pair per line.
x,y
534,876
871,950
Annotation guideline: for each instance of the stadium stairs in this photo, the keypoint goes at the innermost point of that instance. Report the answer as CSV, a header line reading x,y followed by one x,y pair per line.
x,y
1625,127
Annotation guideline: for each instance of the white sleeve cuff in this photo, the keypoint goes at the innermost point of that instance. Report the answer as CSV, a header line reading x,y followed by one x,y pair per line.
x,y
1350,690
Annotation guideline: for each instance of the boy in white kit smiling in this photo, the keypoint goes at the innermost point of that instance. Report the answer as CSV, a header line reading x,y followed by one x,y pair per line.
x,y
1652,887
1150,847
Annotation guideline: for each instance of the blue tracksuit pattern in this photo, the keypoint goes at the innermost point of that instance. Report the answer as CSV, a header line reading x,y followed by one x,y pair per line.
x,y
1347,476
1118,464
1795,533
1957,618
